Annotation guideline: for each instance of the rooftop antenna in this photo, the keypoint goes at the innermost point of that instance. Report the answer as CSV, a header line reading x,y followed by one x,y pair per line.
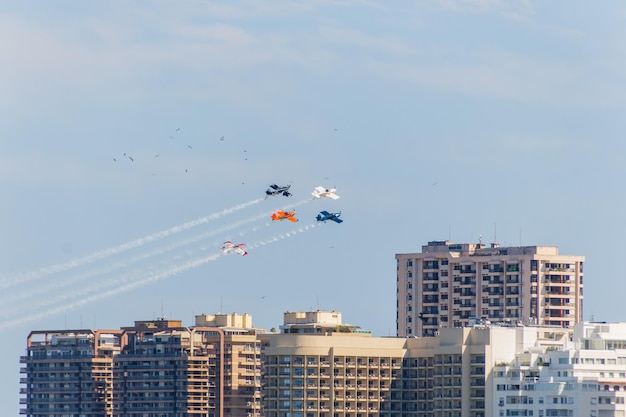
x,y
495,233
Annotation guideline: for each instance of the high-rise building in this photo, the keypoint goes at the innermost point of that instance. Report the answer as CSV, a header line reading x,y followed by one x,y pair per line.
x,y
451,285
166,369
242,362
154,368
336,372
69,372
319,367
582,377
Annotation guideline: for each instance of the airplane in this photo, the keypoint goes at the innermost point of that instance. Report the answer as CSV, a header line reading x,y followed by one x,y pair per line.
x,y
277,189
320,192
324,215
282,215
237,248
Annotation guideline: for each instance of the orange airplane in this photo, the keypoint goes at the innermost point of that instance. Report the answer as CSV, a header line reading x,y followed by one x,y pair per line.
x,y
282,215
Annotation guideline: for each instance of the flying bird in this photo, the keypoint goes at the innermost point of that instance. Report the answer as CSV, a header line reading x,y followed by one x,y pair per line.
x,y
131,158
222,138
189,146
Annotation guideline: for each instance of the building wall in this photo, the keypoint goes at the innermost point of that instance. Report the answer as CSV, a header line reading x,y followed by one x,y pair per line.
x,y
447,284
69,373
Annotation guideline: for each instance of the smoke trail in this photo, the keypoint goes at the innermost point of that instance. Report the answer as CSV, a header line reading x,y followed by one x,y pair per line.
x,y
153,276
58,284
7,282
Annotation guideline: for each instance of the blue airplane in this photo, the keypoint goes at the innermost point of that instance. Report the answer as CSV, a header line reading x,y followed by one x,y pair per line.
x,y
324,215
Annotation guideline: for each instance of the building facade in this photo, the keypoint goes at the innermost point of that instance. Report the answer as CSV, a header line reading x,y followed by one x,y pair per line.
x,y
69,373
328,373
449,285
152,369
579,378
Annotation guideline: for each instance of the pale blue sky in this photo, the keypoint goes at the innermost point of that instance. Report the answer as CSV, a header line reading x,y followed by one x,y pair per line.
x,y
434,120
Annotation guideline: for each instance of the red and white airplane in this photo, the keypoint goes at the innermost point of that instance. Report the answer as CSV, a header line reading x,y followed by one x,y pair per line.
x,y
320,192
237,248
282,215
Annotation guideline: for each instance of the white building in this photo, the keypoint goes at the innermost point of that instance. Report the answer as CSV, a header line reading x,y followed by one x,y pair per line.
x,y
584,376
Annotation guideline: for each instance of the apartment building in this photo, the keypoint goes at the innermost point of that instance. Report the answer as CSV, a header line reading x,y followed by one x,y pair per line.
x,y
242,361
167,369
69,372
331,373
449,285
583,377
153,368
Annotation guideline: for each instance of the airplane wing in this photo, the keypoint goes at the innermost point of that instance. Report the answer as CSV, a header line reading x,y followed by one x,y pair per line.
x,y
333,196
240,250
278,214
317,191
336,219
325,213
292,219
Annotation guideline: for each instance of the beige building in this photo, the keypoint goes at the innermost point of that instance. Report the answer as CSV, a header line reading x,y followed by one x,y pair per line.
x,y
450,285
154,368
242,363
343,374
69,372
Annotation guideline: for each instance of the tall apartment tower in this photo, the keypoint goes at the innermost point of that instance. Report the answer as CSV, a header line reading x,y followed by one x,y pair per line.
x,y
452,285
167,369
337,372
242,362
69,373
320,368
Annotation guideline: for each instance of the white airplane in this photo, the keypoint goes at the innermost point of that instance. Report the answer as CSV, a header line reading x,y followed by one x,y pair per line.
x,y
320,192
231,247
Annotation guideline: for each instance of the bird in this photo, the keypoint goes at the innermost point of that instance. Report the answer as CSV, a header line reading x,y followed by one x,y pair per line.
x,y
115,159
222,138
177,129
131,158
156,156
189,146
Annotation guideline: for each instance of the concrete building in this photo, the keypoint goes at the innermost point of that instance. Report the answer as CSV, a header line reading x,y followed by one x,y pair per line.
x,y
167,369
448,284
579,378
242,361
344,374
69,373
154,368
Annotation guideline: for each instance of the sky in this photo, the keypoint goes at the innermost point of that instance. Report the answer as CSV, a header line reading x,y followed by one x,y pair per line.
x,y
137,137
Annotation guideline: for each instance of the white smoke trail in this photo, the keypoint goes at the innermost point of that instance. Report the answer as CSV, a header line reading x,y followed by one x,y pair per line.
x,y
152,277
11,281
32,293
31,297
81,297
